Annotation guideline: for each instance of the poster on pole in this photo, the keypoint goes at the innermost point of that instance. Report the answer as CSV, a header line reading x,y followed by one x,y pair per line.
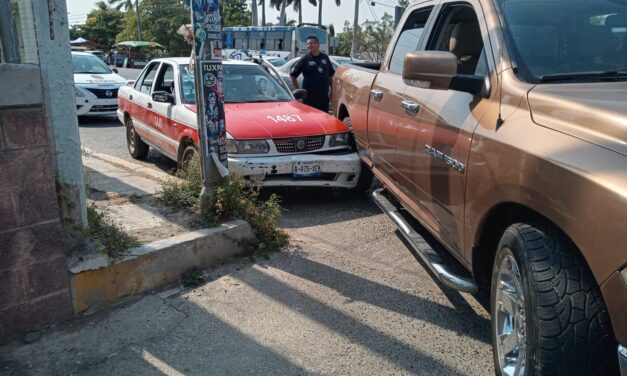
x,y
207,28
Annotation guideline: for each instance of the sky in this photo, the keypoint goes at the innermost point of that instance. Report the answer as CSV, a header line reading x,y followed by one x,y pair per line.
x,y
78,10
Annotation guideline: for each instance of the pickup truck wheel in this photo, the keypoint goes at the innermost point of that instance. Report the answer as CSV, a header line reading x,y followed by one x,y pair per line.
x,y
136,147
548,315
188,154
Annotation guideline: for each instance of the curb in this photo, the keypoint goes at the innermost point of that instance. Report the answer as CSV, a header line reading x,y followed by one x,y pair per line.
x,y
119,162
97,284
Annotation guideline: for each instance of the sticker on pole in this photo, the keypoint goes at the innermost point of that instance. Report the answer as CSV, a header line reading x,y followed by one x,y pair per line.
x,y
213,116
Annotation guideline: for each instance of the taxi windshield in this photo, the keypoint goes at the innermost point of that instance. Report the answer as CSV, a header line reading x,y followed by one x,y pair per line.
x,y
89,64
242,84
567,40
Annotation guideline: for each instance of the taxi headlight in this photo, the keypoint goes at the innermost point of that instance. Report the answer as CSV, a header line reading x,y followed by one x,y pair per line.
x,y
78,92
339,139
247,146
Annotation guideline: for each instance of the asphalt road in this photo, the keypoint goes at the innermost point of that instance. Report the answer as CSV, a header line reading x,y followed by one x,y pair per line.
x,y
349,299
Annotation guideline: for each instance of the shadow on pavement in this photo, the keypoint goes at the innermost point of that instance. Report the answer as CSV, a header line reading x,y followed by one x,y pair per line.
x,y
110,121
393,350
461,319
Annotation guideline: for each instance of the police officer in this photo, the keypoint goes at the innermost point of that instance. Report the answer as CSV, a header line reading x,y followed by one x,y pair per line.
x,y
317,71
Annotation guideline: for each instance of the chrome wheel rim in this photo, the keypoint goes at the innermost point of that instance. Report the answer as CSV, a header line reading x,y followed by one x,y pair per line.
x,y
511,330
131,137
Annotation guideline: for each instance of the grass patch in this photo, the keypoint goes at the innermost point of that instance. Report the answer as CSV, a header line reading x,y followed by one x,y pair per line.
x,y
112,239
231,200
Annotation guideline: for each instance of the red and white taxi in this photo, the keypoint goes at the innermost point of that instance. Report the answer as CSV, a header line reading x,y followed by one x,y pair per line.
x,y
272,139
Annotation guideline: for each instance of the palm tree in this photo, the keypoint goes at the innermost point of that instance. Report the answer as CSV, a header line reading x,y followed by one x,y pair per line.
x,y
280,5
298,6
337,2
262,4
128,5
101,5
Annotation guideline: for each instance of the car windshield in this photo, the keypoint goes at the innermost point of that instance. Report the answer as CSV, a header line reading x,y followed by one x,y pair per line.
x,y
89,64
567,40
242,84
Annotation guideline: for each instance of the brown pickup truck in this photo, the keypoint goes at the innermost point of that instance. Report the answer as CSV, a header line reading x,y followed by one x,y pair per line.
x,y
498,129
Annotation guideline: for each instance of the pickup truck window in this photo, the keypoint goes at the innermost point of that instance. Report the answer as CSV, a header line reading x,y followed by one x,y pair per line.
x,y
570,40
409,39
457,31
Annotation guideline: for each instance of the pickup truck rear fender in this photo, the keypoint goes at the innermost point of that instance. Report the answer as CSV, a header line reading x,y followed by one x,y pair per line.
x,y
548,180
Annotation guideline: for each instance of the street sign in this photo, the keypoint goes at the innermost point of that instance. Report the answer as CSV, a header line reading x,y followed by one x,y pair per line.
x,y
206,28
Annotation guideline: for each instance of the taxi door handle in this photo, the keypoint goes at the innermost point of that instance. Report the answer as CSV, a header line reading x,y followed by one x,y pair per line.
x,y
410,106
130,97
378,94
149,105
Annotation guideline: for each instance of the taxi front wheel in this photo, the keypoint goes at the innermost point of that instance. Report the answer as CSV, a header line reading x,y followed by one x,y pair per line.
x,y
136,147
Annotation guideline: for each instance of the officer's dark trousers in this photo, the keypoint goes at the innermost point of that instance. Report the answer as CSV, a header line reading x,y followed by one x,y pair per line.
x,y
321,102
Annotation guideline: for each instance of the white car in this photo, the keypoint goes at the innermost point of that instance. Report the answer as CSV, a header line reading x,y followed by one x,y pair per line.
x,y
96,85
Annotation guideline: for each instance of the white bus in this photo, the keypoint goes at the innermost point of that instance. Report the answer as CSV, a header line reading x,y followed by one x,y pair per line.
x,y
283,41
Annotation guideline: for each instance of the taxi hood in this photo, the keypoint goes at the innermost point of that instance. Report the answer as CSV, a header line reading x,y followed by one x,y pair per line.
x,y
277,120
96,79
595,112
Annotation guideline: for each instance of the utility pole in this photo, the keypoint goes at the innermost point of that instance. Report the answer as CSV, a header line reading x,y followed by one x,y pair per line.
x,y
208,73
355,26
254,10
139,23
319,12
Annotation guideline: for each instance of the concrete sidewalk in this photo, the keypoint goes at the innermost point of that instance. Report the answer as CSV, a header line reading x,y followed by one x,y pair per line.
x,y
333,304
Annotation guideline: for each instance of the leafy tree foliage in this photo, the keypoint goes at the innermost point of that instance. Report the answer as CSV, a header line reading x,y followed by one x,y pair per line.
x,y
373,38
236,13
102,25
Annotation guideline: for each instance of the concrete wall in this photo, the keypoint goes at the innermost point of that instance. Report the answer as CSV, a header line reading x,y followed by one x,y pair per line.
x,y
34,282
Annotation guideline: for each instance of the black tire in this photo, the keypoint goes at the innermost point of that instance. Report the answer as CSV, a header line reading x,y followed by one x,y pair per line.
x,y
135,145
366,176
188,153
567,326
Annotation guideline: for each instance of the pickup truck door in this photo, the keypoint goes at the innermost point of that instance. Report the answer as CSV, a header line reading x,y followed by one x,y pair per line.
x,y
439,124
160,114
386,94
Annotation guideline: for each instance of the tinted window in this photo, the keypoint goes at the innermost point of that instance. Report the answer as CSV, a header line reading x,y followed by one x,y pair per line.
x,y
409,39
566,37
457,31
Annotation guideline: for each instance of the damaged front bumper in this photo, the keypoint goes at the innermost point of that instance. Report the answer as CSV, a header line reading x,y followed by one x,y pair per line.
x,y
303,170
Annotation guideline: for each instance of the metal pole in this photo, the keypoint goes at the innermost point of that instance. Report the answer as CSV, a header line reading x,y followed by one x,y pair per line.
x,y
319,12
139,23
355,26
8,38
207,28
254,10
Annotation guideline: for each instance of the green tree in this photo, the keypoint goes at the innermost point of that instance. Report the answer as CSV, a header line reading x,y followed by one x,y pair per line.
x,y
76,31
129,5
403,3
161,19
373,38
236,13
102,25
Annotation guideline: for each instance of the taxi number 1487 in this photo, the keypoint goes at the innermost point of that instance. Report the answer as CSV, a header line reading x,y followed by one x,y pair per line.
x,y
285,118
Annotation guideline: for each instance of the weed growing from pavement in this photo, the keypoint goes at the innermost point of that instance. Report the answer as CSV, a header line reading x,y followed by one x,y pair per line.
x,y
114,241
231,200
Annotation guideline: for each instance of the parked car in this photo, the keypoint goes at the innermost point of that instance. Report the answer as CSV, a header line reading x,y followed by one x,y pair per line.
x,y
284,70
116,59
97,53
500,126
272,139
96,85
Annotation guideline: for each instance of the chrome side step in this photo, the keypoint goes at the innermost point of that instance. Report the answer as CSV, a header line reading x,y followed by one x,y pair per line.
x,y
424,250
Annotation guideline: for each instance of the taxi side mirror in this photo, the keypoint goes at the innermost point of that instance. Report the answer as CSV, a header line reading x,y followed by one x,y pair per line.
x,y
299,94
162,97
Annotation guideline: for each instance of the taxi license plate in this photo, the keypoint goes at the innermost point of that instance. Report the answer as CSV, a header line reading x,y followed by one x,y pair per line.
x,y
307,170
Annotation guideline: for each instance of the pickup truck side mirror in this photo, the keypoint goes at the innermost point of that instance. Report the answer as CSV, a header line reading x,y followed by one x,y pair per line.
x,y
299,94
162,97
438,69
